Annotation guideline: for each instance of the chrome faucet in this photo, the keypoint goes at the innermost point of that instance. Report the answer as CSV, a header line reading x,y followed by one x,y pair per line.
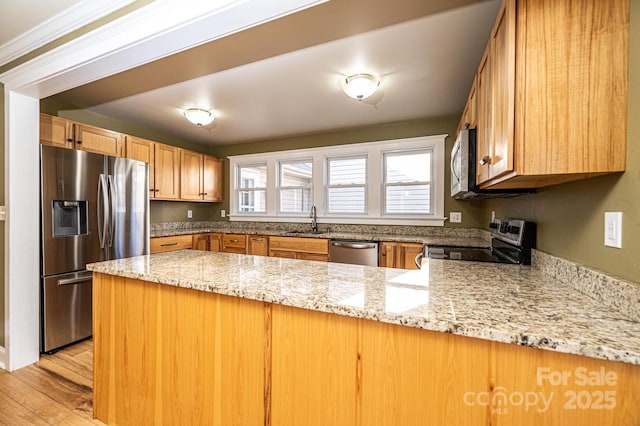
x,y
314,220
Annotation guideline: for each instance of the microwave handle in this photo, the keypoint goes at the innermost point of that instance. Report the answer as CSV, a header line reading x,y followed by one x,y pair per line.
x,y
453,157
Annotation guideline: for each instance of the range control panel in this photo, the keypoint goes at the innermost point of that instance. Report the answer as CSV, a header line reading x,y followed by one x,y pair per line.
x,y
514,231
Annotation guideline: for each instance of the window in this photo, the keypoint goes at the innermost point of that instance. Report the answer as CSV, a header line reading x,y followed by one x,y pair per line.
x,y
394,182
407,182
251,188
347,185
295,184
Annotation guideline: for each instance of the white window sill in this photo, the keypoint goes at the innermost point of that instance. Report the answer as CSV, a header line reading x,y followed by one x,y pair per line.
x,y
346,220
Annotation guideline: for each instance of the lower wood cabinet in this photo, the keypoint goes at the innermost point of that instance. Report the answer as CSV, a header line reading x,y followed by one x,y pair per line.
x,y
399,255
208,242
299,248
258,245
234,243
172,355
177,242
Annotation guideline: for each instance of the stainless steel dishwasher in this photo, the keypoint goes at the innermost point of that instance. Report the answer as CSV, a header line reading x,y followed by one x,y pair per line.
x,y
354,252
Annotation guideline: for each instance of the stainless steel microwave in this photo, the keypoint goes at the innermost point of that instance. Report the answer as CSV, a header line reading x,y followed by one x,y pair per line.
x,y
463,171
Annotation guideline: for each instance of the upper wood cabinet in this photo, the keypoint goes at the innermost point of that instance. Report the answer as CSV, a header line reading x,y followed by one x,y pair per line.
x,y
399,255
552,93
200,177
56,131
164,166
95,139
469,116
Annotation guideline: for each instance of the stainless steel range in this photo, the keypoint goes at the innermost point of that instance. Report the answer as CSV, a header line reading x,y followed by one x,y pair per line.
x,y
511,242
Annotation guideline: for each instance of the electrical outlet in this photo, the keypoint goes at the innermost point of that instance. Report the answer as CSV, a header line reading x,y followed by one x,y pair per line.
x,y
493,215
223,213
189,214
455,217
613,229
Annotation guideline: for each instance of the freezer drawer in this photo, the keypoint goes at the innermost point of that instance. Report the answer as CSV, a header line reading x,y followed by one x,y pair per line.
x,y
66,309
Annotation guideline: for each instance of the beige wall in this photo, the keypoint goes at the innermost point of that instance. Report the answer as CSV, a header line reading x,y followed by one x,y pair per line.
x,y
471,212
571,216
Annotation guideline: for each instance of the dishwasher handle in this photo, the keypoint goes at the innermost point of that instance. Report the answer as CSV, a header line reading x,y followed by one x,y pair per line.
x,y
353,245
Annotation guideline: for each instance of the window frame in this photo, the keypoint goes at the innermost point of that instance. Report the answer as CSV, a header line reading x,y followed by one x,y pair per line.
x,y
328,186
238,188
279,187
385,185
374,198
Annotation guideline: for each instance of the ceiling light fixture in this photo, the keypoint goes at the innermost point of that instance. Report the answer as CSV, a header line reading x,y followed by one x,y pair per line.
x,y
360,86
199,116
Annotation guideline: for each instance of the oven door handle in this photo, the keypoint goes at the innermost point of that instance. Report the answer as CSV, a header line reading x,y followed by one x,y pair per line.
x,y
453,159
418,260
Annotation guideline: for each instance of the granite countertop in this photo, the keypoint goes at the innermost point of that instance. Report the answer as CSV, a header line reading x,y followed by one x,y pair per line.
x,y
422,239
505,303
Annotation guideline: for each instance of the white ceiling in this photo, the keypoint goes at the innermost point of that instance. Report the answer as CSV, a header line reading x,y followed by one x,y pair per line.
x,y
426,66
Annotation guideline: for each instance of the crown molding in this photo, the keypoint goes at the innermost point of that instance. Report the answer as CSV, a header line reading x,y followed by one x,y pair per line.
x,y
63,23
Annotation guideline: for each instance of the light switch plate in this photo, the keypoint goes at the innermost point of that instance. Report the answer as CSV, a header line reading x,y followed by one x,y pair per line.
x,y
613,229
189,214
455,217
223,213
3,213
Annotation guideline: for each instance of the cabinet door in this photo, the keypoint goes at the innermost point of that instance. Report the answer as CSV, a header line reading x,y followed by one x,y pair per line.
x,y
503,64
94,139
142,150
282,253
387,254
56,131
258,245
167,172
212,178
215,242
191,176
407,253
201,242
312,256
483,114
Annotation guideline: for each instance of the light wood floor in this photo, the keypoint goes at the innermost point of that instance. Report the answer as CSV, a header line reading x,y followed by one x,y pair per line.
x,y
57,390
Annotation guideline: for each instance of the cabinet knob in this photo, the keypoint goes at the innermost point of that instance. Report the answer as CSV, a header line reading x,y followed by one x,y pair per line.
x,y
79,142
485,160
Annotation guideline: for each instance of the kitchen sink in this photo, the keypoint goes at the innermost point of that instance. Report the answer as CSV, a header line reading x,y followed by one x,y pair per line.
x,y
304,232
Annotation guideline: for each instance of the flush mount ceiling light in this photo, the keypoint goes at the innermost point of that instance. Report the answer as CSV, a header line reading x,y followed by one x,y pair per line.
x,y
199,116
360,86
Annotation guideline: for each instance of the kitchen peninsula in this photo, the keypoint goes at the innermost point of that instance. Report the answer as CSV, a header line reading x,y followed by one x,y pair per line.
x,y
195,337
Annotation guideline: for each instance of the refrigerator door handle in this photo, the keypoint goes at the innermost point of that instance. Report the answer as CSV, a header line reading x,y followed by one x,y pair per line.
x,y
80,279
112,198
103,211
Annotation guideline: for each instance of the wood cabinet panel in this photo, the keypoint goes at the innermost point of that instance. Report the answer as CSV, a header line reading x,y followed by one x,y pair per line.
x,y
56,131
153,363
208,242
258,245
95,139
483,134
234,243
178,242
212,178
143,150
299,248
190,175
398,254
167,172
314,368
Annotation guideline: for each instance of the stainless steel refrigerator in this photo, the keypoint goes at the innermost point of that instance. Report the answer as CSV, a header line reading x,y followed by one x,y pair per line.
x,y
93,207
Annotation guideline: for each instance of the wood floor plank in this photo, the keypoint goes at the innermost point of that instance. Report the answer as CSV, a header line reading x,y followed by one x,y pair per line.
x,y
39,404
57,390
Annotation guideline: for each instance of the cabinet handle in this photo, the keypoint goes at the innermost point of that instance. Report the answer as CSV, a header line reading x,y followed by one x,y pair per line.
x,y
168,244
69,140
485,160
234,241
259,240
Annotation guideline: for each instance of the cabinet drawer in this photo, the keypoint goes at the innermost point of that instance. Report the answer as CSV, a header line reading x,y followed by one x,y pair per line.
x,y
178,242
300,244
234,241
